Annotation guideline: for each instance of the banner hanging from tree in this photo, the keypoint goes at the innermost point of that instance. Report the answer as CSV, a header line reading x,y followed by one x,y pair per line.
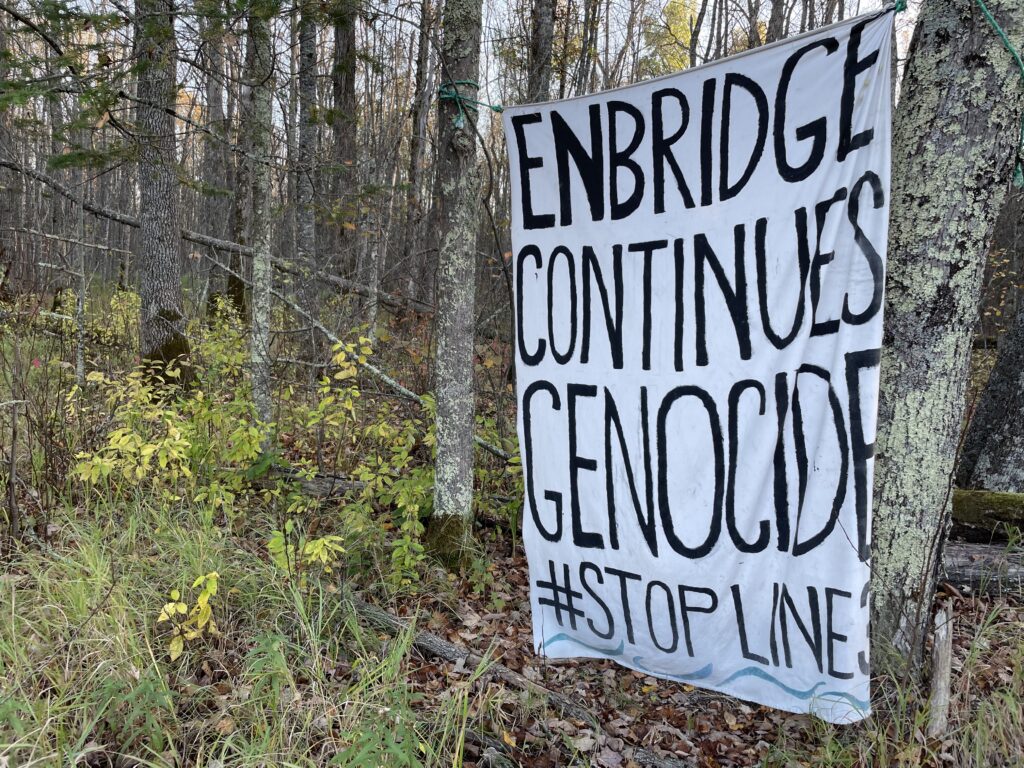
x,y
698,265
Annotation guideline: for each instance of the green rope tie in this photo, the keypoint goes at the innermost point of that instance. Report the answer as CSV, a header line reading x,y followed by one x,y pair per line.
x,y
450,92
1018,170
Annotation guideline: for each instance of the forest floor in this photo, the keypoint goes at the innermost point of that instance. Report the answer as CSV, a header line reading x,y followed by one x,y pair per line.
x,y
707,728
293,676
169,603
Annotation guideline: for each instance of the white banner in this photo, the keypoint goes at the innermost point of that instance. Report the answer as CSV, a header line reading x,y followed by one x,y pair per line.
x,y
699,263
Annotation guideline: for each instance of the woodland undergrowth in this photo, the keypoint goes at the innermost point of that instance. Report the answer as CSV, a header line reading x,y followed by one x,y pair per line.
x,y
178,596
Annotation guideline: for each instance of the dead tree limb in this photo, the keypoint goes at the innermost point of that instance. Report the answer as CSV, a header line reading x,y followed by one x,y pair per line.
x,y
369,367
942,666
991,569
389,300
431,644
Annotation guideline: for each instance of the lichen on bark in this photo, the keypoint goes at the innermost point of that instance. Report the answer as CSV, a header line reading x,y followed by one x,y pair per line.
x,y
259,76
955,133
458,199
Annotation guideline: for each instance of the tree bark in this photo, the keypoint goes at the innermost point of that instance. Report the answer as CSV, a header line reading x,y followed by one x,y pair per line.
x,y
539,64
9,182
450,527
695,26
343,126
955,137
417,154
261,79
993,455
244,169
305,213
215,154
776,22
158,247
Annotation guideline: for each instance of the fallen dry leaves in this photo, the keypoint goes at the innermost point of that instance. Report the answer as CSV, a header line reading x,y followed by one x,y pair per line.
x,y
667,718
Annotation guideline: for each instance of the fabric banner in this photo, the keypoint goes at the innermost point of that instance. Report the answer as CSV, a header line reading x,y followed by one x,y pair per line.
x,y
698,265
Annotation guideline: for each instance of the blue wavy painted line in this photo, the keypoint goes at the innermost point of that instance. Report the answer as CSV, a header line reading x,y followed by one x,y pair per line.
x,y
758,672
700,674
860,704
562,637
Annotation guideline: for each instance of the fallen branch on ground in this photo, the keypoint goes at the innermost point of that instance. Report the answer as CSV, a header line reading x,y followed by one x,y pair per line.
x,y
433,645
987,568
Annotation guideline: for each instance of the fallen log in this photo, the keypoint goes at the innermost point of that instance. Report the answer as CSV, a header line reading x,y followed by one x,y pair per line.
x,y
989,568
985,516
431,644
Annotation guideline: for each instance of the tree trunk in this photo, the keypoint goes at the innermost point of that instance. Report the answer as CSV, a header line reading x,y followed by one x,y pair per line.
x,y
158,254
244,169
261,79
305,213
695,27
993,454
292,133
10,183
955,137
417,155
458,186
776,22
343,126
82,286
216,201
216,205
542,34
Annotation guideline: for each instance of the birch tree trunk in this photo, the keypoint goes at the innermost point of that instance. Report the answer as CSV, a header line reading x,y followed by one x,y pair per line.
x,y
955,138
260,80
158,246
450,528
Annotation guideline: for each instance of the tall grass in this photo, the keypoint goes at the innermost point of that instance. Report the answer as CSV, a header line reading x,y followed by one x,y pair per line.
x,y
986,718
292,679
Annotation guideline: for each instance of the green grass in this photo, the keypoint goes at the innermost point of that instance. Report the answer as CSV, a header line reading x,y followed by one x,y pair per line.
x,y
986,717
292,679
